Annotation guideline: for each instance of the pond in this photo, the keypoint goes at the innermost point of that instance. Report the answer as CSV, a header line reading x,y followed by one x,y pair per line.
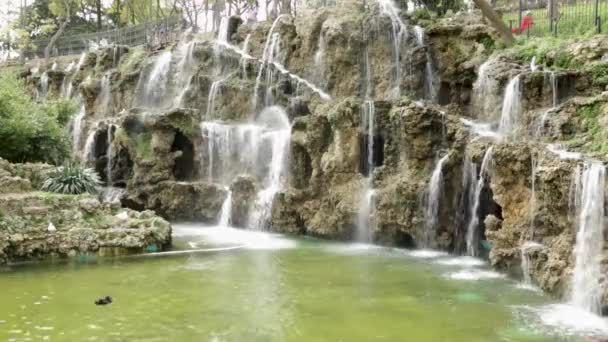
x,y
254,286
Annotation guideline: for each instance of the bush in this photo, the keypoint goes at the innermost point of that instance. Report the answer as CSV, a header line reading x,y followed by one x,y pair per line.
x,y
31,132
72,179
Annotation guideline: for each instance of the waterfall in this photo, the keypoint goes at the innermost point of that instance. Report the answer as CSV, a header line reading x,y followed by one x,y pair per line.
x,y
432,202
586,290
484,99
431,80
104,99
81,60
66,87
185,68
153,91
398,35
368,74
77,128
554,102
69,67
232,149
214,90
366,203
226,211
89,146
525,250
533,66
532,208
267,57
243,60
319,59
109,156
511,107
472,233
44,85
54,66
277,132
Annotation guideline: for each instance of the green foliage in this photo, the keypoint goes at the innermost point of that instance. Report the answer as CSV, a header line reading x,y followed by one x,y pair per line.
x,y
550,51
72,179
30,132
61,109
143,145
599,74
132,60
589,116
421,14
488,43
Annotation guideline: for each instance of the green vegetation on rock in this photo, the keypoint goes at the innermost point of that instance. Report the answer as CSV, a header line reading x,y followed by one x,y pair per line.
x,y
29,131
72,179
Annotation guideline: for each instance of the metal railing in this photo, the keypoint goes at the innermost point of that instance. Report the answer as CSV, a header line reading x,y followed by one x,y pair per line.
x,y
556,17
150,33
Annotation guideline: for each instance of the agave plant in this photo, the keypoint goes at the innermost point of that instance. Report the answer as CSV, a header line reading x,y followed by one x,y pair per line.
x,y
72,178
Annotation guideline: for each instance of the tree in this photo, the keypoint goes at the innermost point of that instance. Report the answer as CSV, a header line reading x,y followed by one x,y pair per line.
x,y
66,12
495,21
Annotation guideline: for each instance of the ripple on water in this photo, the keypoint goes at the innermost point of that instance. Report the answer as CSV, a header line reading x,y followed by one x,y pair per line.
x,y
474,275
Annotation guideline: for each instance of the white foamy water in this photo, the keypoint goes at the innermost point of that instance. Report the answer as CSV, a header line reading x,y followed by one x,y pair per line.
x,y
474,274
480,129
562,153
463,261
511,107
426,254
226,235
565,320
431,210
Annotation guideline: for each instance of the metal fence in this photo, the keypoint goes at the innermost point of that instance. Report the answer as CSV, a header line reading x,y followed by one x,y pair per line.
x,y
150,33
556,17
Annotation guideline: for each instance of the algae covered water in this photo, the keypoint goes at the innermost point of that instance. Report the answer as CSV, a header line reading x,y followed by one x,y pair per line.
x,y
271,288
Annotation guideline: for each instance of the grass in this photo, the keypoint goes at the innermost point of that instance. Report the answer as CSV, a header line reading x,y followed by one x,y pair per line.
x,y
575,19
589,116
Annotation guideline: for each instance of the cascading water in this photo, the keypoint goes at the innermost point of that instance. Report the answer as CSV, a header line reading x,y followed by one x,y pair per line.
x,y
277,132
226,211
222,36
431,210
431,77
319,60
153,89
243,60
366,203
77,128
89,146
44,85
110,154
484,88
185,68
472,228
104,99
267,58
554,102
586,290
398,35
511,107
214,90
525,251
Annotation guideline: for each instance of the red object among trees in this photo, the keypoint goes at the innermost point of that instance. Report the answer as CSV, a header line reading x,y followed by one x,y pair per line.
x,y
526,24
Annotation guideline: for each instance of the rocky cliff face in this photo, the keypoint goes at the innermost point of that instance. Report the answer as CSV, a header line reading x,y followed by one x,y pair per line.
x,y
175,128
82,223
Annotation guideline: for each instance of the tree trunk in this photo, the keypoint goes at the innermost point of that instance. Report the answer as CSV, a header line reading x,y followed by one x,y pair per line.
x,y
495,21
98,13
53,41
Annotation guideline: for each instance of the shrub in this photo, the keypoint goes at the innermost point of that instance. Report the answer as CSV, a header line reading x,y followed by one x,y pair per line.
x,y
72,179
31,132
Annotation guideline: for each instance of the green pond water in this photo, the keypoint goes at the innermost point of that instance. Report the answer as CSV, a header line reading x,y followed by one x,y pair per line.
x,y
273,289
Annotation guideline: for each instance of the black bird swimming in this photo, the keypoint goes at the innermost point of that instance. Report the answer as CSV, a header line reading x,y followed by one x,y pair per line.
x,y
104,301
